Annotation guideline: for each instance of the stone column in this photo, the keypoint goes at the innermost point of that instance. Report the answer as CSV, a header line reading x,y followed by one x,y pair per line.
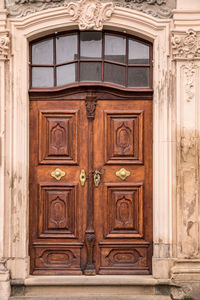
x,y
186,55
4,52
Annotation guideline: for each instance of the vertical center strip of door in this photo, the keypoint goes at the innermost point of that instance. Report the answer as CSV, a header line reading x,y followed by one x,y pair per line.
x,y
90,103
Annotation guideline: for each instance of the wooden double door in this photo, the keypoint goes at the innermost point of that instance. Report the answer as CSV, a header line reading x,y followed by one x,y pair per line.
x,y
90,185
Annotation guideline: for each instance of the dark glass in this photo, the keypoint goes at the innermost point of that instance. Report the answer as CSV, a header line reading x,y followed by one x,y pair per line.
x,y
138,77
42,53
114,73
66,48
90,45
138,52
66,74
42,77
115,48
90,71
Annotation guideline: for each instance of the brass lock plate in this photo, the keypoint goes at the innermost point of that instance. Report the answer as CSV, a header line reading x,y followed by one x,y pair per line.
x,y
57,174
97,178
82,177
123,174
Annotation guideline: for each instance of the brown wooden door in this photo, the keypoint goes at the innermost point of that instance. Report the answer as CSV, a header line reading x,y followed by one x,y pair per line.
x,y
104,229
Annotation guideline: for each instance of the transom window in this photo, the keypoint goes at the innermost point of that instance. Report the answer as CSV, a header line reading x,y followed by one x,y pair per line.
x,y
91,56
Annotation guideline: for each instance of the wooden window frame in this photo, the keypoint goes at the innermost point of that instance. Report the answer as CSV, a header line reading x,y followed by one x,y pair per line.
x,y
102,60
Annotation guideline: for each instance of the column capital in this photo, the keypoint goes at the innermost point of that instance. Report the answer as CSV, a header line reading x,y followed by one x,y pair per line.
x,y
186,45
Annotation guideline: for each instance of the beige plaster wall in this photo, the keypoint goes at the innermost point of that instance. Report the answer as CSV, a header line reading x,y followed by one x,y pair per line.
x,y
188,4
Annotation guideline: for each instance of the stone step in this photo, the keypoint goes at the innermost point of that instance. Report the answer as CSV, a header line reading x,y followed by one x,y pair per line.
x,y
93,297
90,288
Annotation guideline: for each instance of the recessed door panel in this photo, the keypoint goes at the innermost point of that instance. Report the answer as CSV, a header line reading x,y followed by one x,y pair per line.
x,y
58,137
123,137
58,211
123,210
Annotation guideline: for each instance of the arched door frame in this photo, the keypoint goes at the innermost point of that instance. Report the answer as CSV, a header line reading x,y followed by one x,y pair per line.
x,y
22,31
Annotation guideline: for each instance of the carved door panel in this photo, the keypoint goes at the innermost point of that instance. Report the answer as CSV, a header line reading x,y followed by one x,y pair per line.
x,y
58,152
123,199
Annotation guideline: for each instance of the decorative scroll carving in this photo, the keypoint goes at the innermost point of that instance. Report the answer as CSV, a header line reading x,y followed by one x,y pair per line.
x,y
156,8
187,46
4,46
90,14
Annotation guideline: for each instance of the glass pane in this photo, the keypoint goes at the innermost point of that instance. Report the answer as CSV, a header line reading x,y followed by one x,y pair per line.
x,y
115,48
66,48
90,71
42,77
114,73
91,45
66,74
138,77
138,53
42,52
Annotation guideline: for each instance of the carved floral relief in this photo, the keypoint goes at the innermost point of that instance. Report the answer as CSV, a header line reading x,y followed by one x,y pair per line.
x,y
187,46
4,46
99,9
189,73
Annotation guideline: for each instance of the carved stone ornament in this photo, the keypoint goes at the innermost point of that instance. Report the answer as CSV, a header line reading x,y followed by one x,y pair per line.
x,y
189,72
157,8
186,47
90,14
4,46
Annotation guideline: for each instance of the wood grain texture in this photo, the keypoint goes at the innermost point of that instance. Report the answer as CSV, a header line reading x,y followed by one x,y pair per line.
x,y
78,229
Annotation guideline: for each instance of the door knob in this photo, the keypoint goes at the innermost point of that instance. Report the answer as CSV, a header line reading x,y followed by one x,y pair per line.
x,y
57,174
123,174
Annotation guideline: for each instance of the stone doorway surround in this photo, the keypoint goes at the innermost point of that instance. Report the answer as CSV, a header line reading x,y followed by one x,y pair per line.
x,y
176,125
